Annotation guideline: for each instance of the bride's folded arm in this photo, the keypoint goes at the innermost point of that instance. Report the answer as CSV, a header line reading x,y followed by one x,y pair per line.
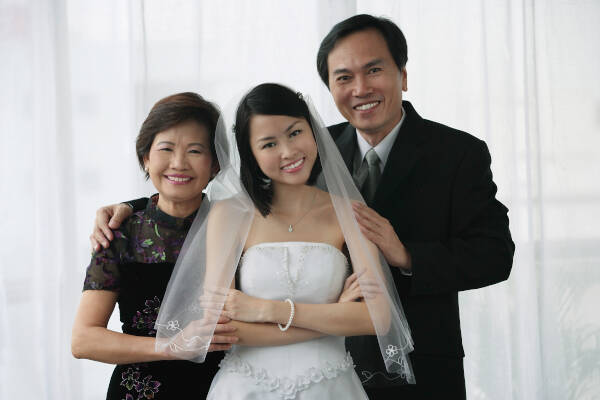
x,y
269,334
337,319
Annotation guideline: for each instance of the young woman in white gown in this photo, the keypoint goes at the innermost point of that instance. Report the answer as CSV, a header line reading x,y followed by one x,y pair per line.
x,y
285,301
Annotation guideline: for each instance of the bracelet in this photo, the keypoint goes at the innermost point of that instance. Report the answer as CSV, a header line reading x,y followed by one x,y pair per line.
x,y
292,311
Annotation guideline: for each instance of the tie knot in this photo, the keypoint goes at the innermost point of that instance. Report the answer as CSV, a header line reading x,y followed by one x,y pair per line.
x,y
372,157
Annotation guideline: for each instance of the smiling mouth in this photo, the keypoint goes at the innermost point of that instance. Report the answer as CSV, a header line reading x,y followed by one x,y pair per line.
x,y
293,165
178,179
367,106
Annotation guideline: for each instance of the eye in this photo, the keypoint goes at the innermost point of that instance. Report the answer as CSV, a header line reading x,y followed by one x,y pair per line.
x,y
374,70
165,149
343,78
295,132
268,145
196,151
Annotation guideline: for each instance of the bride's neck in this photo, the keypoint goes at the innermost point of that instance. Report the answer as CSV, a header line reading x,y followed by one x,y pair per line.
x,y
291,199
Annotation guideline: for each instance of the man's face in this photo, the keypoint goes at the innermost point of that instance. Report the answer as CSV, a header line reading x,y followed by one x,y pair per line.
x,y
366,83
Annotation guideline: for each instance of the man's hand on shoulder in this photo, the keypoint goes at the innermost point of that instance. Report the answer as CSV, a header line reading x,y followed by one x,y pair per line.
x,y
108,218
381,232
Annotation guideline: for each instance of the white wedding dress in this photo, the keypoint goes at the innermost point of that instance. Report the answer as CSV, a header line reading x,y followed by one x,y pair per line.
x,y
316,369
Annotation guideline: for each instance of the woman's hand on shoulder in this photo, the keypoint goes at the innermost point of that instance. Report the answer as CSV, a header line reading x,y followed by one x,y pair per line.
x,y
108,218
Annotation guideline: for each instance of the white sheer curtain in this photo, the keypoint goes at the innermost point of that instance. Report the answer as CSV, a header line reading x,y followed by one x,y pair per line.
x,y
78,77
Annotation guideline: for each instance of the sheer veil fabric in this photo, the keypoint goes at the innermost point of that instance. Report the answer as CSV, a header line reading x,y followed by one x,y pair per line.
x,y
211,253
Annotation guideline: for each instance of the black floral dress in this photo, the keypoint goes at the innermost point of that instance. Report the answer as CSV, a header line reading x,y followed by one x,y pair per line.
x,y
138,265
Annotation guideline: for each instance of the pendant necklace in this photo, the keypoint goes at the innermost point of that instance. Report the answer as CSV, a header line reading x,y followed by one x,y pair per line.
x,y
291,226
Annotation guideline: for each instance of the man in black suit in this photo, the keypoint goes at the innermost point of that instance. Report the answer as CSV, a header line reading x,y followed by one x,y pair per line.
x,y
432,207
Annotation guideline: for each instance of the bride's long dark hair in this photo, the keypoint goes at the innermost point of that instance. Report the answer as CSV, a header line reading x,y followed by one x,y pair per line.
x,y
266,99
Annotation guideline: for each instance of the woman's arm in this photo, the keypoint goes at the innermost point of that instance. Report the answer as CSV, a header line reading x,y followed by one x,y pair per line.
x,y
266,334
339,319
92,340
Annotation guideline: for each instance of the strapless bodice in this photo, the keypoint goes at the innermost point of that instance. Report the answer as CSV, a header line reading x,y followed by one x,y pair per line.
x,y
305,272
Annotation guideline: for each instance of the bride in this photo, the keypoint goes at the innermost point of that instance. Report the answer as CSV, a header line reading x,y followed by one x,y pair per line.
x,y
276,254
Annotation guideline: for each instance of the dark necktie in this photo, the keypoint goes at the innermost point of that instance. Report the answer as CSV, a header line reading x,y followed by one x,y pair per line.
x,y
373,174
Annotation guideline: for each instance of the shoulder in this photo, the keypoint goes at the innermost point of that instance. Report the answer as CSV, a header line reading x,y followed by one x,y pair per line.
x,y
454,144
234,208
450,135
336,130
131,225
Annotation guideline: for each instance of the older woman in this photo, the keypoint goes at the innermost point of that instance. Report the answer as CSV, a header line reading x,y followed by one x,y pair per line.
x,y
175,148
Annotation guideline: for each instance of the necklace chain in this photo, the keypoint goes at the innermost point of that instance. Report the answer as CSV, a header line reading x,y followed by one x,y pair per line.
x,y
291,226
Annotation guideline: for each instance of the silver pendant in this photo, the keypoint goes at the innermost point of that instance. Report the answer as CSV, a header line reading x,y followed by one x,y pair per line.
x,y
290,229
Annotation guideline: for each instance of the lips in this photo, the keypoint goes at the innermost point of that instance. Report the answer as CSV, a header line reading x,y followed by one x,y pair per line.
x,y
366,106
178,179
294,166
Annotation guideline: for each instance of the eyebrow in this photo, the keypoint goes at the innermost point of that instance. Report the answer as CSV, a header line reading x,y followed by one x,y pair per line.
x,y
173,144
262,139
370,64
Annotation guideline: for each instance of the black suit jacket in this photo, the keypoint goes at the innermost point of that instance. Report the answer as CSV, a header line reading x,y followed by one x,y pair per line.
x,y
437,192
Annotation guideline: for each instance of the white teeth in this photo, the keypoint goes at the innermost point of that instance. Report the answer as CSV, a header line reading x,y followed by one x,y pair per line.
x,y
368,106
294,165
176,179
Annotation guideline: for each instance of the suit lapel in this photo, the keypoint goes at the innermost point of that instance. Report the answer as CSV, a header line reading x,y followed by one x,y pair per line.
x,y
347,145
405,152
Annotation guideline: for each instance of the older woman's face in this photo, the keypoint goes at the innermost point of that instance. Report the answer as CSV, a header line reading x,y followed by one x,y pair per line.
x,y
180,165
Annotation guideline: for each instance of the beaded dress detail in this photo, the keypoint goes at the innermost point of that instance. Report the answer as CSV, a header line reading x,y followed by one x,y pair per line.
x,y
316,369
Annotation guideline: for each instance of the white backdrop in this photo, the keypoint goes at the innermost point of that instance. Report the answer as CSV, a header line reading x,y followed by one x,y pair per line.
x,y
78,77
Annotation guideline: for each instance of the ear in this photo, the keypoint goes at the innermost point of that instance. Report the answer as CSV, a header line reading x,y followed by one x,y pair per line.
x,y
214,169
146,159
404,84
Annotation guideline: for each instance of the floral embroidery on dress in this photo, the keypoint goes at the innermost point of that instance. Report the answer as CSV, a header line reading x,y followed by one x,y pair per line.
x,y
145,388
286,387
145,319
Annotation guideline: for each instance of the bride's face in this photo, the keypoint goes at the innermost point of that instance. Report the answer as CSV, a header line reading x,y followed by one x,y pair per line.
x,y
284,147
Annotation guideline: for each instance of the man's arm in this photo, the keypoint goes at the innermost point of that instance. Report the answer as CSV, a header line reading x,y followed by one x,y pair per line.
x,y
479,250
111,217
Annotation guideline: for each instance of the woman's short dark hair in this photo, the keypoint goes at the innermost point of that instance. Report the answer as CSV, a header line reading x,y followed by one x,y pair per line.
x,y
174,110
266,99
394,38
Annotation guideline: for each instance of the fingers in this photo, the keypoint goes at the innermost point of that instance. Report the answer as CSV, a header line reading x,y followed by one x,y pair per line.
x,y
219,347
224,328
368,223
223,319
119,213
99,239
101,234
215,293
369,217
95,245
224,339
370,235
349,280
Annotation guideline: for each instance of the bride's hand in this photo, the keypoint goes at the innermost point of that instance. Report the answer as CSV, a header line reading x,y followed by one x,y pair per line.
x,y
241,307
353,291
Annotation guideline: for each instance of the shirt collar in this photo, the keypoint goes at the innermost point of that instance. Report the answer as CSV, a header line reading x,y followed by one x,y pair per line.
x,y
384,147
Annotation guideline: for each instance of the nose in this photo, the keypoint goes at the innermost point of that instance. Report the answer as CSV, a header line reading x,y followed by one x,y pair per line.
x,y
288,150
360,87
178,160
